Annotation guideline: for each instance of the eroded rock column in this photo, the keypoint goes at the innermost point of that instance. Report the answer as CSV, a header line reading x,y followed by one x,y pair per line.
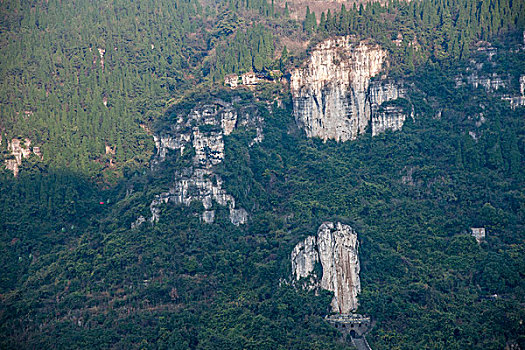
x,y
336,249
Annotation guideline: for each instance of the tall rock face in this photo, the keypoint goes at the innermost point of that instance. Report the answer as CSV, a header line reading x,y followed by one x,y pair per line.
x,y
203,131
385,115
305,256
331,96
335,249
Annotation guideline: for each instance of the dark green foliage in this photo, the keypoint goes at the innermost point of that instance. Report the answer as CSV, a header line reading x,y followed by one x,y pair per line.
x,y
55,81
310,22
76,276
178,284
417,31
411,195
250,50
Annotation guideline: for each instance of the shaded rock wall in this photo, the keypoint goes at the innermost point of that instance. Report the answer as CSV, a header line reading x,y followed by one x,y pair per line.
x,y
390,117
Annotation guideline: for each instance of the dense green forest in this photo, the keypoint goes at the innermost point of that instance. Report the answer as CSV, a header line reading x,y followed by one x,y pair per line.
x,y
80,76
426,29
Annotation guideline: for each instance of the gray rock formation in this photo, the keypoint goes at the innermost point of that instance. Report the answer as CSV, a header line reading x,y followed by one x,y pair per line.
x,y
335,249
19,149
478,233
140,220
203,130
386,116
331,97
492,83
518,101
305,256
489,83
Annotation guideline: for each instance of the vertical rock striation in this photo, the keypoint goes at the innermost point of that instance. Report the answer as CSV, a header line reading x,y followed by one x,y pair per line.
x,y
335,249
331,91
305,256
490,83
384,115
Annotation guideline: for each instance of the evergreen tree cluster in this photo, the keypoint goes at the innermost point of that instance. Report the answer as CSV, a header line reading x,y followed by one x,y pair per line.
x,y
310,21
415,31
81,76
250,50
79,276
261,6
78,76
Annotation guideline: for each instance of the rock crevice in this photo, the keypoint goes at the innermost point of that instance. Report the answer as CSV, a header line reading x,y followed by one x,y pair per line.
x,y
335,249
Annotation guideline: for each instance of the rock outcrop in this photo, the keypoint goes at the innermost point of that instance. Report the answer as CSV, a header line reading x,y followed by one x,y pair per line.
x,y
335,250
329,90
385,115
518,101
480,74
202,130
18,150
478,233
490,83
331,97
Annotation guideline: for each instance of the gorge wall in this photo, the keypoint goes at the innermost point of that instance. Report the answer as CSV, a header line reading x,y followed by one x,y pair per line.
x,y
333,97
335,249
202,130
483,71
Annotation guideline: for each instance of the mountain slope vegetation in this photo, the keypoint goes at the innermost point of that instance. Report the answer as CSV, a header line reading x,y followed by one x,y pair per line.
x,y
78,77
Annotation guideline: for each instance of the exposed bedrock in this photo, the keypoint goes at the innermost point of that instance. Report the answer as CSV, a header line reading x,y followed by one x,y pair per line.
x,y
335,250
203,130
333,97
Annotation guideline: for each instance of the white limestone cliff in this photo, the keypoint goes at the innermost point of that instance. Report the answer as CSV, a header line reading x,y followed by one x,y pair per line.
x,y
332,95
304,258
203,130
386,116
335,249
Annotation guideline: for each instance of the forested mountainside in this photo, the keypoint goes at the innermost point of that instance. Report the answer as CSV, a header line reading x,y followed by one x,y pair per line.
x,y
162,159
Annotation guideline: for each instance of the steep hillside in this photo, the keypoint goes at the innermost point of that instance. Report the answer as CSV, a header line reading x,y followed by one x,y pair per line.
x,y
183,184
